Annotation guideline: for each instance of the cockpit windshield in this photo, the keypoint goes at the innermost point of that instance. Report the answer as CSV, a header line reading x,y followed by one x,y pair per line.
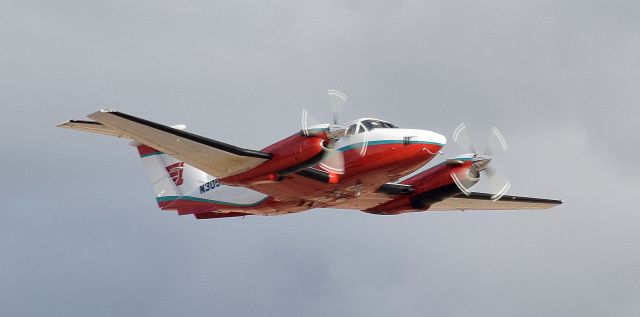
x,y
377,124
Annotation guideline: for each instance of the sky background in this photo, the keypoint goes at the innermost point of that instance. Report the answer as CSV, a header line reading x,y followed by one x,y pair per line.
x,y
80,233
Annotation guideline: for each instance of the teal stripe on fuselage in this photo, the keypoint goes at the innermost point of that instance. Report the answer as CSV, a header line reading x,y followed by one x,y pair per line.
x,y
202,200
381,142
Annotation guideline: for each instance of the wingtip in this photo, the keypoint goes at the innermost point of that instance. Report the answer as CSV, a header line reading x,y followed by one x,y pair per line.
x,y
102,110
63,124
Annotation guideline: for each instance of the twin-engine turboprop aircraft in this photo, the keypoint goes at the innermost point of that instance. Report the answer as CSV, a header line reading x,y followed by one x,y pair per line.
x,y
350,166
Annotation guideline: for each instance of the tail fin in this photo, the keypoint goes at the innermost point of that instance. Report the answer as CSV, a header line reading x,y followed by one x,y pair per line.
x,y
169,177
180,186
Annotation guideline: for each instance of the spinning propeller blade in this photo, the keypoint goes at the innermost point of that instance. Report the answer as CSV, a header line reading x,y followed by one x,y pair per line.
x,y
462,139
365,144
498,184
496,140
333,160
337,99
308,122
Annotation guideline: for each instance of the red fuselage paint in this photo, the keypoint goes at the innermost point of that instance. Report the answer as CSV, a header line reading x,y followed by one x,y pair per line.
x,y
292,151
381,164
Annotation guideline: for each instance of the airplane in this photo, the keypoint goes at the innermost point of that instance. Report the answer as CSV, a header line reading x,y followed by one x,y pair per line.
x,y
366,164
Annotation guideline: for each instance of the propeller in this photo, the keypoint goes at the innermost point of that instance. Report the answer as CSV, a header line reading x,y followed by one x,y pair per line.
x,y
337,99
498,183
333,160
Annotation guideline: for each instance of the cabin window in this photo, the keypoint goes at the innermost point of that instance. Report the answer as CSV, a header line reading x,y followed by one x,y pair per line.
x,y
377,124
389,125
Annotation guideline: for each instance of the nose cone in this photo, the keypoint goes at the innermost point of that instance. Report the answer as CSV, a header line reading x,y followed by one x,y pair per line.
x,y
425,136
437,138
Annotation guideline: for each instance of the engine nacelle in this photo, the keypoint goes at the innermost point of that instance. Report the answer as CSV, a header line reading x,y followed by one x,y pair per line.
x,y
431,186
290,155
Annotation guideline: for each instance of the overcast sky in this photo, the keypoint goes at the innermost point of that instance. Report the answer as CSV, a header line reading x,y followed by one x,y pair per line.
x,y
80,233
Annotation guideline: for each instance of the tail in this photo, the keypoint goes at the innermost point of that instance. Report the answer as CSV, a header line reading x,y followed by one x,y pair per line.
x,y
170,179
180,186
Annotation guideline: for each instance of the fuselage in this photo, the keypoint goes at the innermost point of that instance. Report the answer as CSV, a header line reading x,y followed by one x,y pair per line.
x,y
375,152
389,149
373,155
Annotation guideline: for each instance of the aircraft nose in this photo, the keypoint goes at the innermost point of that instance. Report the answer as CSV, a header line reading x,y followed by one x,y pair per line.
x,y
432,137
434,140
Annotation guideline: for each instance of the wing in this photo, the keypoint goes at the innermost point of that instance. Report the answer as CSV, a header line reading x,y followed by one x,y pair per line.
x,y
482,201
213,157
377,202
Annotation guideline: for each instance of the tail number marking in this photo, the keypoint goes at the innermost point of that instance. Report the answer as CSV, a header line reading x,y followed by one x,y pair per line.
x,y
209,186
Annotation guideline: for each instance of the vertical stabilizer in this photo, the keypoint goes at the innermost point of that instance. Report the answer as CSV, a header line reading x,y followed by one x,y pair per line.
x,y
177,185
170,177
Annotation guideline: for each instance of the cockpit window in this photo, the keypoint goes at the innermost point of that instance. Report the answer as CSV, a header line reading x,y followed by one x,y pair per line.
x,y
351,130
376,124
360,129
